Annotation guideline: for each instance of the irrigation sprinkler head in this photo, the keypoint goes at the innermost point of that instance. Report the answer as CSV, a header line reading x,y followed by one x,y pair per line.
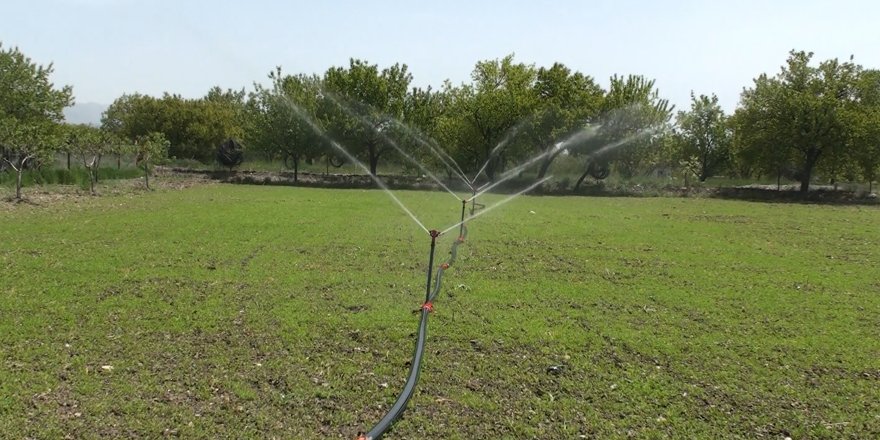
x,y
434,234
461,238
363,436
444,266
428,306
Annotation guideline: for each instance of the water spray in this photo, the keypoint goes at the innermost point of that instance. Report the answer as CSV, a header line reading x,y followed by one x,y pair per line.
x,y
502,202
320,132
369,124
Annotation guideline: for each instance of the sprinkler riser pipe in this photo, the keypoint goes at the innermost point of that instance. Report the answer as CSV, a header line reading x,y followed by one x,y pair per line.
x,y
434,235
463,209
473,202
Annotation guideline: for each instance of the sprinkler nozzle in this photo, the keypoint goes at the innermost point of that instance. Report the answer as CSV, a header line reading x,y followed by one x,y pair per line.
x,y
428,306
461,239
362,436
444,266
434,233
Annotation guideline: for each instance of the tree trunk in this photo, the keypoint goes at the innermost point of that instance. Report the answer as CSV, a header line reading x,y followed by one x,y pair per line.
x,y
118,162
545,165
68,161
295,168
374,158
704,173
805,182
93,178
811,157
581,180
779,180
18,182
490,169
147,176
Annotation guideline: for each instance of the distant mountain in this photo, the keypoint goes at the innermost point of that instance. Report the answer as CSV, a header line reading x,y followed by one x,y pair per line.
x,y
85,113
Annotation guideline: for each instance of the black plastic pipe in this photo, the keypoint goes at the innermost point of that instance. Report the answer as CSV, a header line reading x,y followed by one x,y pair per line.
x,y
416,365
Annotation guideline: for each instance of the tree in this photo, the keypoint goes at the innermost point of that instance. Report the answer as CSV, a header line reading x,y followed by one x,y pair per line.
x,y
150,149
90,144
631,113
193,127
30,112
566,102
705,135
361,102
865,122
501,97
798,115
276,125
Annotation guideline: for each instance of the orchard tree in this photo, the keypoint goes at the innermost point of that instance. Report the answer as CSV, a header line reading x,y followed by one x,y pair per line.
x,y
866,127
150,149
277,127
360,103
501,97
421,113
799,114
630,117
193,127
567,101
30,112
704,135
90,145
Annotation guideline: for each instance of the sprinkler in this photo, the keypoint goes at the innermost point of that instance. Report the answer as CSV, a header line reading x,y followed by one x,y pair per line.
x,y
474,205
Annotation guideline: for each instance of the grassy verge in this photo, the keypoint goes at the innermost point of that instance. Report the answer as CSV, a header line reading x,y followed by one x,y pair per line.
x,y
259,312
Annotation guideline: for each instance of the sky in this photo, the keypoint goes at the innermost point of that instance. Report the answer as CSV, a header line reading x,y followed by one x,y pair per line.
x,y
104,48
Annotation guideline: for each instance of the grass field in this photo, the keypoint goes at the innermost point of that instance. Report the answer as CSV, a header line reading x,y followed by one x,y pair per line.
x,y
266,312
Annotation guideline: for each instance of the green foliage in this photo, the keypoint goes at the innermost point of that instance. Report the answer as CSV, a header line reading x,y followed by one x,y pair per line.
x,y
151,149
90,145
361,105
567,101
799,117
276,127
489,110
632,115
865,126
193,127
705,135
30,112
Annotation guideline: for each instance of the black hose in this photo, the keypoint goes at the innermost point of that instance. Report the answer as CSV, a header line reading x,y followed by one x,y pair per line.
x,y
416,365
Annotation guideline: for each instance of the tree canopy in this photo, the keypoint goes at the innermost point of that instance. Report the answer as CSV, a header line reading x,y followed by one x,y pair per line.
x,y
30,111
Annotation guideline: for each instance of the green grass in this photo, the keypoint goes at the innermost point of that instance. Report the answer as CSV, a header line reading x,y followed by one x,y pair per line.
x,y
261,312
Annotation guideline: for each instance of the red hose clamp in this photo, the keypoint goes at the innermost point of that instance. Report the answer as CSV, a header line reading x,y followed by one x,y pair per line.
x,y
444,266
428,306
460,239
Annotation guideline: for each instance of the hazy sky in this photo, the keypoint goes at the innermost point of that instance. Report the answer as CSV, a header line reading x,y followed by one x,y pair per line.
x,y
104,48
